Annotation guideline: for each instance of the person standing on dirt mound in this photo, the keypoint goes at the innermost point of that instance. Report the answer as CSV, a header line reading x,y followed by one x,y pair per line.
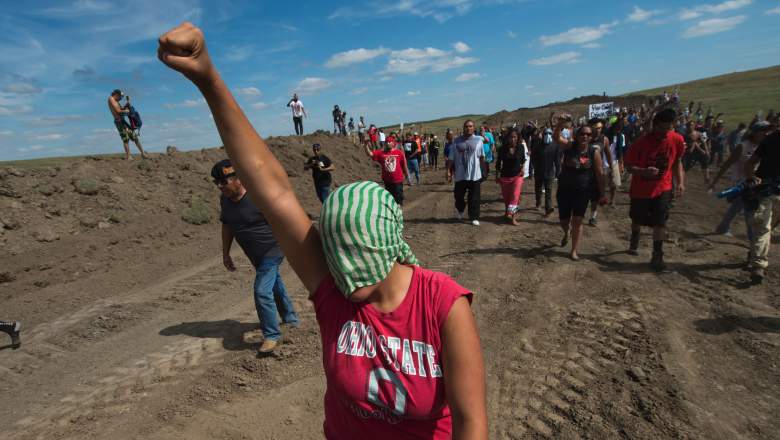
x,y
394,169
400,345
13,329
466,162
320,166
242,221
652,161
298,113
126,133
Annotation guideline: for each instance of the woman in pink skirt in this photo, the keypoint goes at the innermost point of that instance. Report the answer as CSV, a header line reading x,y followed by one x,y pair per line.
x,y
510,166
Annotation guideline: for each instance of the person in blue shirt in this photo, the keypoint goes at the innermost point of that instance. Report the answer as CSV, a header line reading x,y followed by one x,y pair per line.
x,y
488,145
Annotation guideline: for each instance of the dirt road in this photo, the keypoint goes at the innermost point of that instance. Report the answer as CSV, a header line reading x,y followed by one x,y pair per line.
x,y
163,347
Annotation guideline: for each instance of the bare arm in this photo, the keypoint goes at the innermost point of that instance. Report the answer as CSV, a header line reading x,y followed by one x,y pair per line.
x,y
184,49
750,168
732,159
679,175
599,171
464,373
227,242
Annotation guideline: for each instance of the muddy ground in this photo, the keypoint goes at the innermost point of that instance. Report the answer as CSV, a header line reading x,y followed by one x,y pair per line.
x,y
134,330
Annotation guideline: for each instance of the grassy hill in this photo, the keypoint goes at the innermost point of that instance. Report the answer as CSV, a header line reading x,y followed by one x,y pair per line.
x,y
740,95
438,126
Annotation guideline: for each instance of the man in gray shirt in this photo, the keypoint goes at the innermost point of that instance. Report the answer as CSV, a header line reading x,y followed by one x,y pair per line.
x,y
466,161
244,222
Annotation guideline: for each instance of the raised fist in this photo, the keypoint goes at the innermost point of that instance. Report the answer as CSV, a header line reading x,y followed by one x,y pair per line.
x,y
184,49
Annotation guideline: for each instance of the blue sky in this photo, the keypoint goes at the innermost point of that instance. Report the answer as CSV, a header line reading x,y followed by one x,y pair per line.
x,y
390,60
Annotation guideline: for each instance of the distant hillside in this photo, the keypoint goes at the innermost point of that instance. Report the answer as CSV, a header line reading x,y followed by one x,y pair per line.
x,y
740,95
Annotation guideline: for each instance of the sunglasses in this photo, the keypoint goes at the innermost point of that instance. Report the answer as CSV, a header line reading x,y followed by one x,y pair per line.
x,y
221,182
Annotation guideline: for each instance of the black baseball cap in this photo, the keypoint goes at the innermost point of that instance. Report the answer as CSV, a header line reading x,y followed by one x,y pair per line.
x,y
316,147
117,92
222,169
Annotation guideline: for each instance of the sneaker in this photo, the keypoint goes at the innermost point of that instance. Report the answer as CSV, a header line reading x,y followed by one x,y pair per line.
x,y
593,221
291,324
757,275
458,215
268,346
15,335
475,222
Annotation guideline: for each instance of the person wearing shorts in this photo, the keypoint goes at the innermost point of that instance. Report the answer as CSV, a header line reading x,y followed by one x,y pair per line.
x,y
653,160
581,172
126,133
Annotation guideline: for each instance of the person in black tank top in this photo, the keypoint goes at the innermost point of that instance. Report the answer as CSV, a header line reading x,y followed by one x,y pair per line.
x,y
581,172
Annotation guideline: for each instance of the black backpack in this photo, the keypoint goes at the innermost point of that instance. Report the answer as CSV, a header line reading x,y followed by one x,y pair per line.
x,y
134,117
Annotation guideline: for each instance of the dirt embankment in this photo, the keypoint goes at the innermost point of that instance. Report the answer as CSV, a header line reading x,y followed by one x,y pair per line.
x,y
61,223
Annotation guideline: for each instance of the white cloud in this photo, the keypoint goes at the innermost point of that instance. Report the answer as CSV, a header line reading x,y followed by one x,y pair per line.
x,y
187,103
312,85
259,105
359,91
354,56
566,57
21,88
713,26
6,133
48,137
579,35
461,47
639,14
249,91
698,11
15,110
238,53
413,60
530,87
775,11
415,54
592,46
53,121
439,10
511,34
413,93
464,77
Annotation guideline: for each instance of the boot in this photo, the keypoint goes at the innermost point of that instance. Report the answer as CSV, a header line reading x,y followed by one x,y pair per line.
x,y
657,262
14,331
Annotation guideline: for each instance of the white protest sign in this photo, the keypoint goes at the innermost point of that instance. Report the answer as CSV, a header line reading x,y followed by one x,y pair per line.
x,y
601,110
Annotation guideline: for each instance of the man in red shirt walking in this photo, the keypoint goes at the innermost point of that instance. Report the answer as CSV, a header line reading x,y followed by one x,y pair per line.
x,y
652,160
394,169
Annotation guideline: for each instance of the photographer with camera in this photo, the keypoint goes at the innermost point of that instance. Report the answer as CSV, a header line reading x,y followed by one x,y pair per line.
x,y
763,166
126,131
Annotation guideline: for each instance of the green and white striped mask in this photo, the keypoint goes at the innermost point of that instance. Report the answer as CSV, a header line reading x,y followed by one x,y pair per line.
x,y
361,228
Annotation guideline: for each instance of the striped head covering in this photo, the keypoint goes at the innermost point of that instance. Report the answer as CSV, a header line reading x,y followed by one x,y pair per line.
x,y
361,228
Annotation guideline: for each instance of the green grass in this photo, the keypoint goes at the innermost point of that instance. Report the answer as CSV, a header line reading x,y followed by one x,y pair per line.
x,y
436,126
739,95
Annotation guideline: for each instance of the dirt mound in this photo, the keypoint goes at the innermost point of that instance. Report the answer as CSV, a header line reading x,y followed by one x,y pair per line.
x,y
576,107
85,206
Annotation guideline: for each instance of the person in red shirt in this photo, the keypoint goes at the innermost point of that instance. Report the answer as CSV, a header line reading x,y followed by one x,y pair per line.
x,y
652,160
373,136
394,169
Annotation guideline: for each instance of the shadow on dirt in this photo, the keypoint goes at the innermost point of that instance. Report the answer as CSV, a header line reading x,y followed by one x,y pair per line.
x,y
231,332
726,324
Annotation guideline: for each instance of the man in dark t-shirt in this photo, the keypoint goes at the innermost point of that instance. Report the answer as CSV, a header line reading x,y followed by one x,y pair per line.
x,y
243,221
320,166
767,158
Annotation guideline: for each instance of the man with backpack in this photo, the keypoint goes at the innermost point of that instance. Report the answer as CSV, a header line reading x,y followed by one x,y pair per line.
x,y
126,131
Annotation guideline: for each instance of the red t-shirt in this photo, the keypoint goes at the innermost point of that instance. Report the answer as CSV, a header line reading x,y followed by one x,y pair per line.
x,y
383,370
392,164
660,151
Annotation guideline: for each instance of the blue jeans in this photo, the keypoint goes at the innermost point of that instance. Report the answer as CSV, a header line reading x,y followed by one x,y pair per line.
x,y
734,209
322,192
414,168
271,298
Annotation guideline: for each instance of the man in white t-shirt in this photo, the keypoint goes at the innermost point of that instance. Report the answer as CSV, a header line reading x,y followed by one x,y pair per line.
x,y
298,113
466,159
